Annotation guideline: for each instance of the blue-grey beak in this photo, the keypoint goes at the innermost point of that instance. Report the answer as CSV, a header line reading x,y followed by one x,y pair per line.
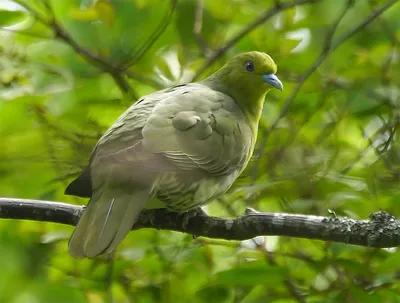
x,y
273,80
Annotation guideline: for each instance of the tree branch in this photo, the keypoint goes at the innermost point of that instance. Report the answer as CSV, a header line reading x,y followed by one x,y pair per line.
x,y
383,230
117,73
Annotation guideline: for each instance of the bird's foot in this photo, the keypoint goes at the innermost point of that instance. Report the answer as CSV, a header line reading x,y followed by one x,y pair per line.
x,y
332,213
187,216
250,211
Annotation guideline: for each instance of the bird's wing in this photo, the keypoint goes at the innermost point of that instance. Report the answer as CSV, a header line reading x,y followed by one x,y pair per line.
x,y
119,144
183,128
196,127
188,127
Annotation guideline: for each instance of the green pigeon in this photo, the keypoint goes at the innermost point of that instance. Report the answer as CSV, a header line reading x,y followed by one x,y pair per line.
x,y
177,148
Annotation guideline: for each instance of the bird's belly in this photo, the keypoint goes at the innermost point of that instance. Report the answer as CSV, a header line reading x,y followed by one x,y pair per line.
x,y
182,192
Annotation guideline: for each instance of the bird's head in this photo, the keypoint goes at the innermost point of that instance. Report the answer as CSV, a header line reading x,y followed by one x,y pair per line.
x,y
247,77
254,69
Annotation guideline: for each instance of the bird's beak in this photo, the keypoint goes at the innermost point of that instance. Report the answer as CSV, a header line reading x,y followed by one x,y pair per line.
x,y
273,80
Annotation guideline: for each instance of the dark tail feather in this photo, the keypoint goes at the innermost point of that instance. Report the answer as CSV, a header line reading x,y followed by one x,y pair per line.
x,y
81,186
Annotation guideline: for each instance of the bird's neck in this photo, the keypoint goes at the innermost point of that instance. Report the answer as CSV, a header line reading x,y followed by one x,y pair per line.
x,y
250,100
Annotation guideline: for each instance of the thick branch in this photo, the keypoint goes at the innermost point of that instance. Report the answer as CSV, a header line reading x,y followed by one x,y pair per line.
x,y
383,230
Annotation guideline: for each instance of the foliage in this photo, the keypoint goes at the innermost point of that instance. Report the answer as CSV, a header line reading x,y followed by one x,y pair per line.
x,y
69,68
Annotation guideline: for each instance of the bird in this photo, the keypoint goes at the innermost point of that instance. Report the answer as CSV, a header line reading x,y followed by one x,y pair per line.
x,y
176,148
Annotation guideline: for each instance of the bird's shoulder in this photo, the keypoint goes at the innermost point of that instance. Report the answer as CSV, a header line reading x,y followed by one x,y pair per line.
x,y
193,112
181,102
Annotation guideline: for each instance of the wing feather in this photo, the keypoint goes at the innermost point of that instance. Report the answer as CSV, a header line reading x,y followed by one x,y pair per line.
x,y
190,127
199,128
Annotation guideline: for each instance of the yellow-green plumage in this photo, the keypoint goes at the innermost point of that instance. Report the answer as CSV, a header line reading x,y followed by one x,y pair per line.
x,y
177,148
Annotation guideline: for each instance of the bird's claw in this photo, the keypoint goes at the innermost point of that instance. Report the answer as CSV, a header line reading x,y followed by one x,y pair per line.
x,y
187,216
250,211
332,213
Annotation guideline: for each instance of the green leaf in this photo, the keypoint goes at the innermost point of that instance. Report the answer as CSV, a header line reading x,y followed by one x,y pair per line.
x,y
253,273
390,263
88,15
106,12
213,294
8,18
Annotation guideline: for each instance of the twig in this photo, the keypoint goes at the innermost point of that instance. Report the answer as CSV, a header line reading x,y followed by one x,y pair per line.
x,y
383,230
198,26
153,37
328,49
245,31
146,80
377,152
61,34
270,258
35,13
384,128
295,291
108,277
363,24
324,54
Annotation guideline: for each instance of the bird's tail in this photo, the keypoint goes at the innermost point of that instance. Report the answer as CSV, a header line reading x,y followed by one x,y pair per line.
x,y
106,221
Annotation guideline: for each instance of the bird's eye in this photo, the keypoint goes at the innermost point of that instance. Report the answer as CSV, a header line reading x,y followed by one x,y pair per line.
x,y
249,66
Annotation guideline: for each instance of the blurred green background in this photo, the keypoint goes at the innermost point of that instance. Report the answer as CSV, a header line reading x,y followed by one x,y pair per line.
x,y
69,68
